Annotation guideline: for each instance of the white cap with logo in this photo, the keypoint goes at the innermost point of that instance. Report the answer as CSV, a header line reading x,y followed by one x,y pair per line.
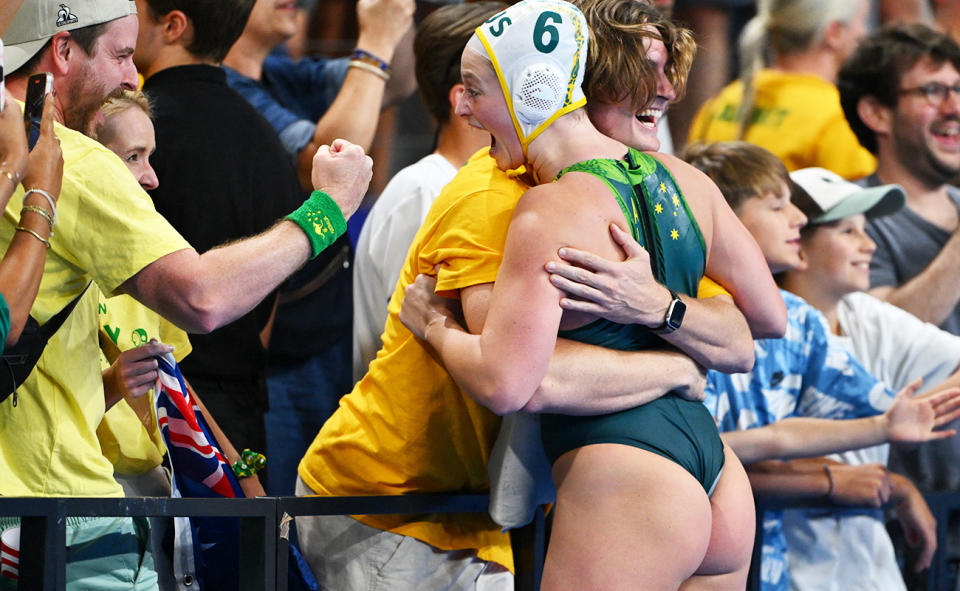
x,y
833,198
39,20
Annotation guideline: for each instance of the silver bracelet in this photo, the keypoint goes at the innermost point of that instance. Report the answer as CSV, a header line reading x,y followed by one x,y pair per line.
x,y
53,202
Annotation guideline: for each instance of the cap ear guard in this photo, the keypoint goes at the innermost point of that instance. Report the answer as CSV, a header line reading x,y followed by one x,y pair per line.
x,y
539,91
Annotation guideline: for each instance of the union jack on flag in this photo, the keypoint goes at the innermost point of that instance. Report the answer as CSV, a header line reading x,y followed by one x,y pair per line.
x,y
199,469
204,544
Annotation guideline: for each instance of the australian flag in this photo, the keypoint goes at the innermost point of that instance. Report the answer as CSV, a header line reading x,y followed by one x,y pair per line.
x,y
207,547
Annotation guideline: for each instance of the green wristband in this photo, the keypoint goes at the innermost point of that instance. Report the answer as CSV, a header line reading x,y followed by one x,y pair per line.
x,y
321,220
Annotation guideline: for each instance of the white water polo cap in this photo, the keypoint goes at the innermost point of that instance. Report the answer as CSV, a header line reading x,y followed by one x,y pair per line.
x,y
538,49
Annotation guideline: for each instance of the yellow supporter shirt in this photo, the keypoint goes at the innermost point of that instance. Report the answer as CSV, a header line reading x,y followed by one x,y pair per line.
x,y
796,116
406,427
108,230
129,446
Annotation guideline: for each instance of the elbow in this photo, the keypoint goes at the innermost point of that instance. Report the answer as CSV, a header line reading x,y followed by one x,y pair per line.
x,y
741,358
500,395
200,312
770,325
503,402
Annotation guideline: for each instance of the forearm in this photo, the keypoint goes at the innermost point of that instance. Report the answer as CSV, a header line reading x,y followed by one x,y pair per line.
x,y
200,293
587,380
355,112
483,369
933,294
715,334
789,481
799,437
21,270
402,81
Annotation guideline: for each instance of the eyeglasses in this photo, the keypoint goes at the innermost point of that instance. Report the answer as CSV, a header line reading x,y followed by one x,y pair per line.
x,y
935,92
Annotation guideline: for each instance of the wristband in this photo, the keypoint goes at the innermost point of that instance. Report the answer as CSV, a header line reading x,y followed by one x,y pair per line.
x,y
250,463
321,220
48,197
362,55
41,212
367,67
35,235
826,468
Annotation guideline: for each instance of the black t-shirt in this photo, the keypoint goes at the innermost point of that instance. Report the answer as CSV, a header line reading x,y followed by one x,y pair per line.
x,y
223,176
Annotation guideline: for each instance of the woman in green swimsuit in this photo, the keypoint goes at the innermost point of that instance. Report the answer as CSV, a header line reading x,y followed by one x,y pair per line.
x,y
633,509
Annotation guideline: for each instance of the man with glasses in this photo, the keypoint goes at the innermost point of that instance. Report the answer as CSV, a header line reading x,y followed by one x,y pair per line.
x,y
900,92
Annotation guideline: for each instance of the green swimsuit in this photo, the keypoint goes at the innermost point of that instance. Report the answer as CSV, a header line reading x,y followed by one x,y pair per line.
x,y
675,428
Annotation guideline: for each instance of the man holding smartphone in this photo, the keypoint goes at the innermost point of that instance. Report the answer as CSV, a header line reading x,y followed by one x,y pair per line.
x,y
109,232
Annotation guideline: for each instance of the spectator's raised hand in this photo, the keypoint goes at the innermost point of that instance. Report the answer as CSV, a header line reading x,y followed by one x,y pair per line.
x,y
382,24
343,171
46,159
913,419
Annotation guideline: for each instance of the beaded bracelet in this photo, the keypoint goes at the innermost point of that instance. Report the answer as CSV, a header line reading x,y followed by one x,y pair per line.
x,y
35,235
40,211
50,199
250,463
362,55
370,68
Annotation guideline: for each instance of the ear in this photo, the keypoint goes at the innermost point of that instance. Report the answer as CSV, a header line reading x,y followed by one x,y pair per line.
x,y
175,25
453,96
875,115
833,35
61,52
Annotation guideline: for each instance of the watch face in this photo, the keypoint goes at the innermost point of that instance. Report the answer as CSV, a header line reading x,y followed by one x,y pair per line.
x,y
677,311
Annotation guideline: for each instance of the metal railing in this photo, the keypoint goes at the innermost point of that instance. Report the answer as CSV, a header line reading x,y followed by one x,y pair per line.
x,y
264,554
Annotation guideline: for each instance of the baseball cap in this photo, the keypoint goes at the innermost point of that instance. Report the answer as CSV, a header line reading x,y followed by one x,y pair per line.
x,y
829,197
39,20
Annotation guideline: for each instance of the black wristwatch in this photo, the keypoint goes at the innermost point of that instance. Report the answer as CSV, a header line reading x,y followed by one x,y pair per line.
x,y
675,312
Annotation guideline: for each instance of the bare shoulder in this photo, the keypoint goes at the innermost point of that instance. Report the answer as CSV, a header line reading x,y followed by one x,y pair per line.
x,y
693,183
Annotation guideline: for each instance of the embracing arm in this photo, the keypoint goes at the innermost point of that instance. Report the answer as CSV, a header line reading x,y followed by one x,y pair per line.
x,y
737,263
714,332
908,420
505,363
202,292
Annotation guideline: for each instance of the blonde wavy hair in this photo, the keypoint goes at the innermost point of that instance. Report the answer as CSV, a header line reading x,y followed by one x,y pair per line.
x,y
617,67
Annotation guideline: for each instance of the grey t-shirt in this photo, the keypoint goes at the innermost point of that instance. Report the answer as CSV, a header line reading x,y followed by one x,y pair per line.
x,y
906,244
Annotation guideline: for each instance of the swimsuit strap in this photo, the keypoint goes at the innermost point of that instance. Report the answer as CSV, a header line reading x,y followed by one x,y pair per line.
x,y
659,216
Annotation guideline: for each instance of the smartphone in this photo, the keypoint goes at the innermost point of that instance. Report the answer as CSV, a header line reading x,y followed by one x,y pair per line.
x,y
38,86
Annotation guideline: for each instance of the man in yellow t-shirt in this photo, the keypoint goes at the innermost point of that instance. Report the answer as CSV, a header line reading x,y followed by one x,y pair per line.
x,y
108,231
